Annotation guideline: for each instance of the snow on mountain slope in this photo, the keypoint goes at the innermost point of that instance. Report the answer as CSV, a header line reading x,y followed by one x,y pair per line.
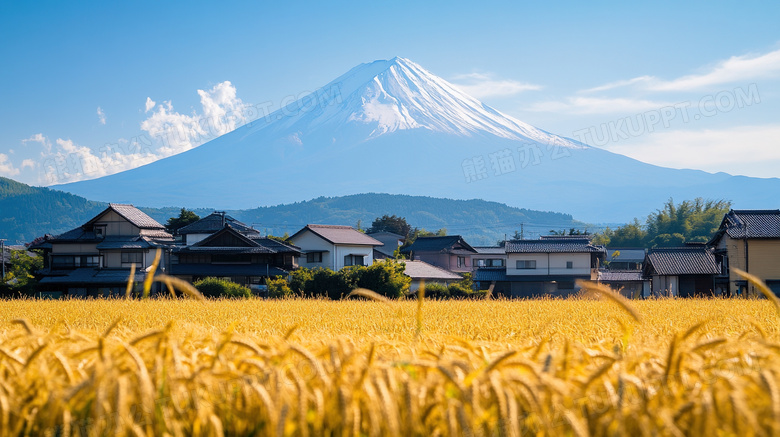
x,y
398,95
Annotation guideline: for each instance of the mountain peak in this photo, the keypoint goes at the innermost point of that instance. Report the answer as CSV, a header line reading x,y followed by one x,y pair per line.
x,y
398,94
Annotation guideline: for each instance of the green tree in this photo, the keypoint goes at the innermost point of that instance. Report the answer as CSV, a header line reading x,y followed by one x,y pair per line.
x,y
278,288
674,224
390,223
20,275
185,217
383,277
216,288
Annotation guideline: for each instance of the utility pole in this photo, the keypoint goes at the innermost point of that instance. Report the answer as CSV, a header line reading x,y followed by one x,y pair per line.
x,y
522,231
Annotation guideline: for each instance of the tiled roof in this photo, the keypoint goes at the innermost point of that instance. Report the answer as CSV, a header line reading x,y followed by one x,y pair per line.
x,y
620,275
123,243
438,244
488,274
131,214
94,276
226,270
552,245
78,234
340,235
423,270
213,223
490,250
752,223
681,261
252,245
276,245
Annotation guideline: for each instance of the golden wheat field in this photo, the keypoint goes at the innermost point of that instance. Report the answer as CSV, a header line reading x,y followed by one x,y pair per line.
x,y
315,367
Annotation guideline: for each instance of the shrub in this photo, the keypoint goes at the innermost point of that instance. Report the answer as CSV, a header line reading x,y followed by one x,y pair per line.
x,y
383,277
434,290
327,283
278,288
215,287
299,280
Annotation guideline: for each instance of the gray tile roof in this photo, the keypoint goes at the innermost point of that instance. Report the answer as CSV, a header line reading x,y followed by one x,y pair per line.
x,y
552,245
94,276
251,245
340,235
681,261
123,243
439,244
488,274
213,223
131,214
423,270
752,224
620,275
490,250
226,270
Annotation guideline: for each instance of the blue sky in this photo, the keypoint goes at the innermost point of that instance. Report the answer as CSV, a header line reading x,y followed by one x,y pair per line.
x,y
690,85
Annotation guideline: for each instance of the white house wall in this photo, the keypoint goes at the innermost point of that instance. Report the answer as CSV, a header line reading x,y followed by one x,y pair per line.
x,y
194,238
556,266
309,242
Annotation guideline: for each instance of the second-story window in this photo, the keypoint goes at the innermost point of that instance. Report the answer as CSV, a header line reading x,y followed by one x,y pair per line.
x,y
461,261
314,257
569,264
136,258
526,264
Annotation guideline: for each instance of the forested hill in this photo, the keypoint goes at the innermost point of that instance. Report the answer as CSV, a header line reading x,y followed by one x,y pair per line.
x,y
27,212
480,222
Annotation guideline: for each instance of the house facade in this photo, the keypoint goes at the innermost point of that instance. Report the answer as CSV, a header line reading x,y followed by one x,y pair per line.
x,y
748,240
489,256
686,271
241,257
207,226
448,252
333,247
96,258
548,266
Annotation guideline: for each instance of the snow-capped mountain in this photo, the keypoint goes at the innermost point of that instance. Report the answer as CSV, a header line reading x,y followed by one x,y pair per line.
x,y
392,126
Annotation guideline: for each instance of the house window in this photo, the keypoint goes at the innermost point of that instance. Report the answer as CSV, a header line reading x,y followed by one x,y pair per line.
x,y
461,261
314,257
100,231
133,258
569,264
90,261
526,264
354,260
496,262
481,262
63,262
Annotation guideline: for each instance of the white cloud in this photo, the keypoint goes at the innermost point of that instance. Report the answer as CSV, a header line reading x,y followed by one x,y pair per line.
x,y
747,150
71,162
482,85
38,138
28,163
223,111
597,105
6,167
101,115
735,69
149,104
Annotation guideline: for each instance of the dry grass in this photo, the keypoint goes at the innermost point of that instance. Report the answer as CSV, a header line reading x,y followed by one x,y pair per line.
x,y
307,367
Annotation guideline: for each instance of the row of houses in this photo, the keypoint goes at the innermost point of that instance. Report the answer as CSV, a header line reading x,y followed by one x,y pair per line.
x,y
95,259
